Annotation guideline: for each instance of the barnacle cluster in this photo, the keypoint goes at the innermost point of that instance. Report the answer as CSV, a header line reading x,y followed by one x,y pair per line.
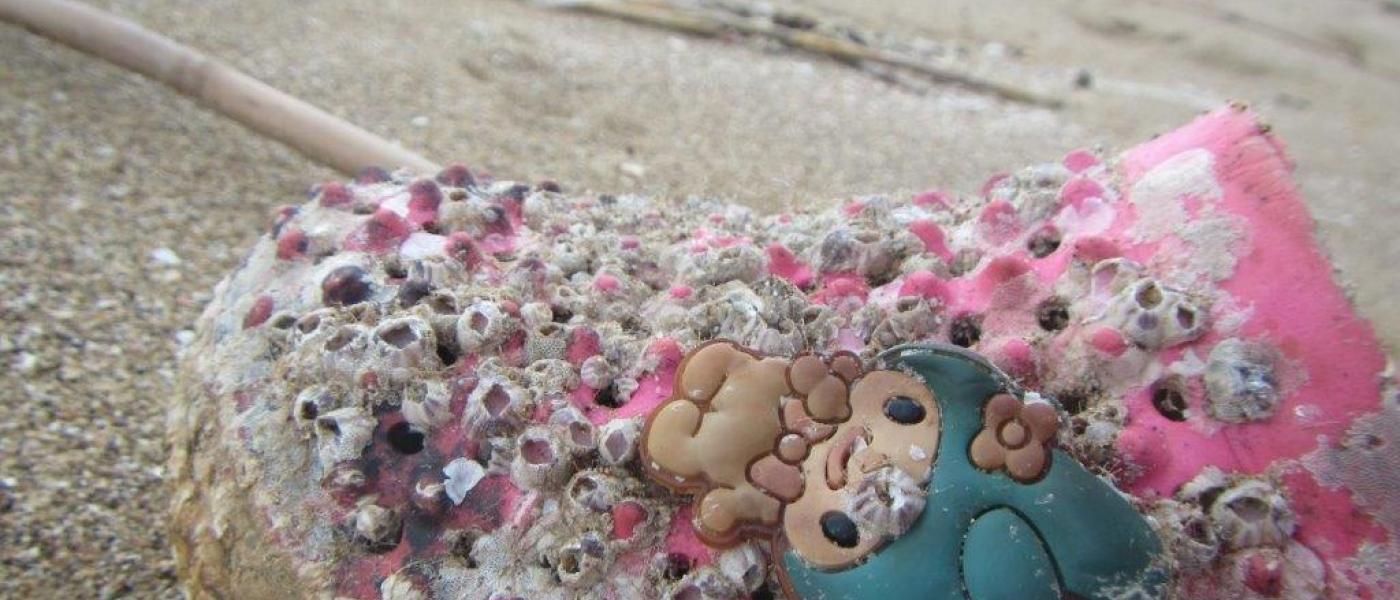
x,y
463,357
1233,536
423,388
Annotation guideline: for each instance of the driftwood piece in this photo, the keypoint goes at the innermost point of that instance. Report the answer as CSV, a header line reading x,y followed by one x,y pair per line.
x,y
717,23
320,136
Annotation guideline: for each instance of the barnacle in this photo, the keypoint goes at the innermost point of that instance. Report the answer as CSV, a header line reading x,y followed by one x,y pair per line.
x,y
378,527
343,433
497,404
541,460
427,404
405,346
1034,191
577,434
746,565
1155,316
886,502
1252,513
1241,381
404,585
546,341
617,441
482,325
596,372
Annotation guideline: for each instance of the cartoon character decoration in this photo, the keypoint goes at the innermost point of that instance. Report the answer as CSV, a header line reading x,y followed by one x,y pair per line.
x,y
932,476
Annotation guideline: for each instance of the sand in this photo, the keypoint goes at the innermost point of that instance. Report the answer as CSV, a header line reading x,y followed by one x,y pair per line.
x,y
124,204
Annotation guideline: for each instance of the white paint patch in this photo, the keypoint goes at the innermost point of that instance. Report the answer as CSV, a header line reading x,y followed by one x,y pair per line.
x,y
1228,315
421,245
917,453
1217,242
398,203
1307,413
1093,217
1189,365
1158,194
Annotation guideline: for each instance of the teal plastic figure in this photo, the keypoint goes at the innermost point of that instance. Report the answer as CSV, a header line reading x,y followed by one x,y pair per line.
x,y
1040,526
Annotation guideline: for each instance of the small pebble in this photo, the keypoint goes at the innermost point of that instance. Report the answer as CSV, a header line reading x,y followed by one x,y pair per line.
x,y
165,257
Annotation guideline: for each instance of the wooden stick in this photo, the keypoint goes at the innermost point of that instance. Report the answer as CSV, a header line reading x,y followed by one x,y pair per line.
x,y
315,133
707,24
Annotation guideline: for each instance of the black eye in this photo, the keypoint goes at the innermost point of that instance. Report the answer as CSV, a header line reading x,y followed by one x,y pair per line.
x,y
840,529
904,410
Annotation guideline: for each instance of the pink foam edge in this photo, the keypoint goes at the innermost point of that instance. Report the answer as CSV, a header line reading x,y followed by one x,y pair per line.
x,y
1296,305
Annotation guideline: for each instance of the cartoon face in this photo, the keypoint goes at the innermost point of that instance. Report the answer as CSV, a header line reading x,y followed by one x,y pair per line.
x,y
833,466
864,484
807,451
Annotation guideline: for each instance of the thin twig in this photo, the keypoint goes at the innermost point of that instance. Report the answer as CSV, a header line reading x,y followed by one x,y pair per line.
x,y
319,135
715,24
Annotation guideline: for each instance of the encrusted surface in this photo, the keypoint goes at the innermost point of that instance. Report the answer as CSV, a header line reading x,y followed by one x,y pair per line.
x,y
419,387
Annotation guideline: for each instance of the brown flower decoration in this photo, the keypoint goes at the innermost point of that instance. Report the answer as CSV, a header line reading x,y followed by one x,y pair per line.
x,y
1016,437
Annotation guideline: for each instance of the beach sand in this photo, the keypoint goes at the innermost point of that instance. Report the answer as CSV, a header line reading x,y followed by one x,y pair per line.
x,y
123,203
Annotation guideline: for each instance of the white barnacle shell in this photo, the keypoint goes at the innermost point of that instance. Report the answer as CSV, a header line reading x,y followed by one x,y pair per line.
x,y
1109,277
912,320
497,404
1252,513
499,452
1034,190
427,404
462,475
571,300
540,459
624,387
705,583
342,434
820,325
886,502
313,325
839,250
1187,533
1241,382
569,258
546,341
577,432
596,372
551,377
378,525
483,325
459,216
1297,573
745,565
1154,316
582,563
591,491
405,345
346,478
1208,482
311,403
617,441
402,586
735,263
343,350
535,314
763,321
